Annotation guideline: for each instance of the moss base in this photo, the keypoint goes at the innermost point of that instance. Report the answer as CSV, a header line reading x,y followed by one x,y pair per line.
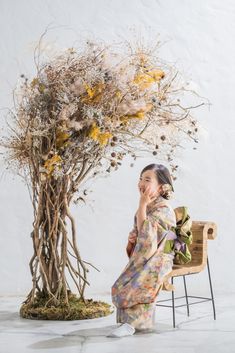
x,y
77,309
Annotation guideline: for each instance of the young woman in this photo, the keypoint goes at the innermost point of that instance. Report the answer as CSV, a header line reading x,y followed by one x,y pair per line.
x,y
135,291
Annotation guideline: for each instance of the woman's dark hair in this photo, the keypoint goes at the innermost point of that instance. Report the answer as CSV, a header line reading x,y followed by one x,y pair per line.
x,y
163,177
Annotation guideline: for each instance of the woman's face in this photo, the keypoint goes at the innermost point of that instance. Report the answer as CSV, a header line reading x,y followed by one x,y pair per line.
x,y
148,178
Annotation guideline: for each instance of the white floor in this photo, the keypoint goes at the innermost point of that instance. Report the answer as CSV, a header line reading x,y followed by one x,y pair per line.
x,y
197,333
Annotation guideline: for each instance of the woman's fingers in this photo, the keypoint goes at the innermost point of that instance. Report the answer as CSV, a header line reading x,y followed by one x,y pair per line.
x,y
132,234
149,193
147,190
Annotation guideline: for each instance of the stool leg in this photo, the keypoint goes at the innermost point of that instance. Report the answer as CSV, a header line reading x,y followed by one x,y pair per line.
x,y
173,303
186,294
212,296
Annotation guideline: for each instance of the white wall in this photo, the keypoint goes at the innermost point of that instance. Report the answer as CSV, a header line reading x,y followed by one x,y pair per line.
x,y
200,40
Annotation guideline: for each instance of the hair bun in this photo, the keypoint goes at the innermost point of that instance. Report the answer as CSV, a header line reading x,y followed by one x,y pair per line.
x,y
167,191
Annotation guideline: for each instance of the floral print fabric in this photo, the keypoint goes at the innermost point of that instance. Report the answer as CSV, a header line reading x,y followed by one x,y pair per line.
x,y
135,291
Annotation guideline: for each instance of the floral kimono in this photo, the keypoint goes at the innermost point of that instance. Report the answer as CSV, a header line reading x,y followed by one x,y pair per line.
x,y
135,291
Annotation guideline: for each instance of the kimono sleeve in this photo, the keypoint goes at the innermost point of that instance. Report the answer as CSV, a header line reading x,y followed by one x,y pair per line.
x,y
134,229
158,224
132,238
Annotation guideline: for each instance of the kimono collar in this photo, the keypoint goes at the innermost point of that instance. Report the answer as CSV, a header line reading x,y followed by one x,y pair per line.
x,y
159,201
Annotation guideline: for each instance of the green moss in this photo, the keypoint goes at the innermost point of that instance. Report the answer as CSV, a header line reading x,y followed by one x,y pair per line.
x,y
77,309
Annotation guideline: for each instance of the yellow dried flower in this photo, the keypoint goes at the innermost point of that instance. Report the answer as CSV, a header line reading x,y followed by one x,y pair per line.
x,y
94,131
145,80
118,94
49,165
124,119
61,138
93,94
89,91
138,115
34,82
157,74
104,137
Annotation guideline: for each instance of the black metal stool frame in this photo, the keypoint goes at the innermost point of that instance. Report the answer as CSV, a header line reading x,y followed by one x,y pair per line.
x,y
186,296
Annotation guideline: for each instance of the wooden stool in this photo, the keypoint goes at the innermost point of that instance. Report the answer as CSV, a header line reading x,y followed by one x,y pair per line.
x,y
202,231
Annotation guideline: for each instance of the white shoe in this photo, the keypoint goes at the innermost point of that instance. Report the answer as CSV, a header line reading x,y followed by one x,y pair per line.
x,y
123,330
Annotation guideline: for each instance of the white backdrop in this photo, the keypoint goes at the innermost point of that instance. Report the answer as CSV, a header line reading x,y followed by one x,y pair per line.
x,y
200,41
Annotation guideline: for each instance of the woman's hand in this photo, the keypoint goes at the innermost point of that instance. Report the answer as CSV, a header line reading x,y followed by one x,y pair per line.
x,y
132,237
131,242
147,196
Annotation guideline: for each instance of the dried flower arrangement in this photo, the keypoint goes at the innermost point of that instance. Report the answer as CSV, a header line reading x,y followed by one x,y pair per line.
x,y
81,114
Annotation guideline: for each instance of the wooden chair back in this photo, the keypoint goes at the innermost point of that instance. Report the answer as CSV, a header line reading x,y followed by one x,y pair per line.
x,y
202,231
